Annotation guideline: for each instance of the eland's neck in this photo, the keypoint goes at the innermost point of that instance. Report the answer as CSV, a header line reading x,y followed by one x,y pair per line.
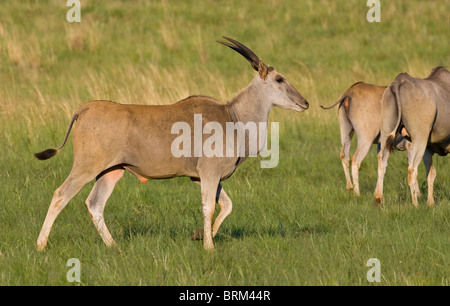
x,y
252,106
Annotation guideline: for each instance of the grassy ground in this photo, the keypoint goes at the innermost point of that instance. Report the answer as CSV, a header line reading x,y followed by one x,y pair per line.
x,y
291,225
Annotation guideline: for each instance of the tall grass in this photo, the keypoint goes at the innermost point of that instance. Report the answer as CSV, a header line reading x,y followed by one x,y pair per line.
x,y
291,225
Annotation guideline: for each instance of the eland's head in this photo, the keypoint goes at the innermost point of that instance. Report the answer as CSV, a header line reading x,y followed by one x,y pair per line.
x,y
272,84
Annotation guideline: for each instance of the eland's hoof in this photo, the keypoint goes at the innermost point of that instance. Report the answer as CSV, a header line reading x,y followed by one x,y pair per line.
x,y
198,235
378,202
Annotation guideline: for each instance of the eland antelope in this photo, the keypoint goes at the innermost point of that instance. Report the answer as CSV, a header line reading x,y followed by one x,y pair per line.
x,y
422,106
111,138
359,113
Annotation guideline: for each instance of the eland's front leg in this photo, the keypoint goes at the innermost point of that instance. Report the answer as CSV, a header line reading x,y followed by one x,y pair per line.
x,y
225,205
208,190
225,208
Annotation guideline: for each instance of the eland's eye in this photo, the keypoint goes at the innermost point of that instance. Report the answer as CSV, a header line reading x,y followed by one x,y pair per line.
x,y
279,79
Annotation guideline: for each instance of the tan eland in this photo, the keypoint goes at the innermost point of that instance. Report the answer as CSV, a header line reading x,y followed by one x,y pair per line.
x,y
111,138
422,106
359,113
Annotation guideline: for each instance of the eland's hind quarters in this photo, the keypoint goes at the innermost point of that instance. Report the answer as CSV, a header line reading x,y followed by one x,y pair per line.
x,y
422,106
359,113
111,138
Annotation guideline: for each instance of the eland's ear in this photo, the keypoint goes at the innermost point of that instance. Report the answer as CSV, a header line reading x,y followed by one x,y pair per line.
x,y
263,70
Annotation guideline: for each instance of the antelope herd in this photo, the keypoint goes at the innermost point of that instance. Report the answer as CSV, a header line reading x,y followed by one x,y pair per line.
x,y
111,138
410,113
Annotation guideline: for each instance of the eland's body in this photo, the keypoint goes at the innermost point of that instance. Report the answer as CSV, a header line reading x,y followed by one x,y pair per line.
x,y
111,138
422,106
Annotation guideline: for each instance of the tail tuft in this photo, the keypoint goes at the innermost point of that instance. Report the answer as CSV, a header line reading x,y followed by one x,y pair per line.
x,y
46,154
52,152
390,142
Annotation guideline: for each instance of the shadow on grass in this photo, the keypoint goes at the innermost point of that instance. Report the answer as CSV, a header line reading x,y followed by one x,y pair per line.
x,y
226,234
273,231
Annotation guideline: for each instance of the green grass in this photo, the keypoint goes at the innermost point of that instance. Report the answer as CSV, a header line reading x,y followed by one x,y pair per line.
x,y
291,225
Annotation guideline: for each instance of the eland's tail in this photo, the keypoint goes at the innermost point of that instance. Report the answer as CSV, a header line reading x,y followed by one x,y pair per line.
x,y
46,154
393,94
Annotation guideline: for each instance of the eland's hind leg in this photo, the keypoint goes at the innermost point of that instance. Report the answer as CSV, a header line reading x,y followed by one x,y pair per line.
x,y
71,186
96,202
346,140
358,157
415,155
431,175
382,157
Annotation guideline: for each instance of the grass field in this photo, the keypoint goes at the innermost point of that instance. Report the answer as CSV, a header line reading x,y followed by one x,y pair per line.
x,y
291,225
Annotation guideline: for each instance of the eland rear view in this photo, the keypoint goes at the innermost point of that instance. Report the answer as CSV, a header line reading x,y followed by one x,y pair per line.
x,y
359,113
422,106
111,138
